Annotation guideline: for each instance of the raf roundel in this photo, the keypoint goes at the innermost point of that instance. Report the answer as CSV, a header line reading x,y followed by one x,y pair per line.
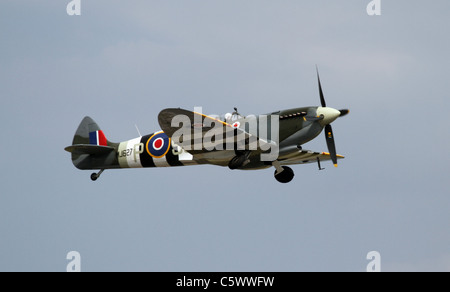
x,y
158,145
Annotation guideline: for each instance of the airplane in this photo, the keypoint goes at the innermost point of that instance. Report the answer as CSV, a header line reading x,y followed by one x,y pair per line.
x,y
239,141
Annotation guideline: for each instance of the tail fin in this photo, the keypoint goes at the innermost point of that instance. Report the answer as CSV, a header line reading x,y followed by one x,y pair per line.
x,y
89,132
90,149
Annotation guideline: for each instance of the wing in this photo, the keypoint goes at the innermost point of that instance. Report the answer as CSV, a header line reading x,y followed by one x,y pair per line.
x,y
198,132
307,156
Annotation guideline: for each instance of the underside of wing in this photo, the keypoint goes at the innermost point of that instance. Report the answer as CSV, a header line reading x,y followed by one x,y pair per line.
x,y
306,156
198,132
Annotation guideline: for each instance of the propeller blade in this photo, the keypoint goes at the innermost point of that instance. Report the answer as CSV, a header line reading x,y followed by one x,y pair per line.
x,y
330,143
322,98
344,112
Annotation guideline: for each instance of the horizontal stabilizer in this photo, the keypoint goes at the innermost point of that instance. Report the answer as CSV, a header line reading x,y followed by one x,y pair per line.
x,y
89,149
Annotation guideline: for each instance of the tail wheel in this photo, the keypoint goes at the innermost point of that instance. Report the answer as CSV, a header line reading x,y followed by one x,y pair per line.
x,y
94,177
285,176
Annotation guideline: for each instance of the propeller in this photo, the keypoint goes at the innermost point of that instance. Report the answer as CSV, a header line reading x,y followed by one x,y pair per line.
x,y
329,137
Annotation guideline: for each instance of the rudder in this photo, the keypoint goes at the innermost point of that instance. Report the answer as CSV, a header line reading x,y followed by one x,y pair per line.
x,y
89,132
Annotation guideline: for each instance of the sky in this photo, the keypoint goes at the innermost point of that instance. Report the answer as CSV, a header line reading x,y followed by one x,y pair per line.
x,y
122,62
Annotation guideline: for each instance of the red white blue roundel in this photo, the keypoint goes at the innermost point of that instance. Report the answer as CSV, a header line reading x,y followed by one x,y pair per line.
x,y
158,145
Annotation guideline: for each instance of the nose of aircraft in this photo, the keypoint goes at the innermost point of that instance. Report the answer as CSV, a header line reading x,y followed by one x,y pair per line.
x,y
329,115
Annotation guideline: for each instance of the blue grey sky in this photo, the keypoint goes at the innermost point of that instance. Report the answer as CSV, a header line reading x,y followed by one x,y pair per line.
x,y
121,62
